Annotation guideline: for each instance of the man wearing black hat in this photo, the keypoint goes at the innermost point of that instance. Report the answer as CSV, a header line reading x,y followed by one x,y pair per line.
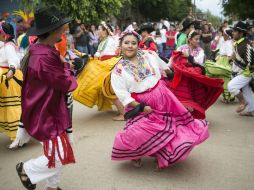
x,y
243,70
47,80
188,26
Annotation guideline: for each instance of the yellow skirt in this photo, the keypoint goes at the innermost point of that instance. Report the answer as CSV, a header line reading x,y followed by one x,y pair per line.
x,y
10,104
93,84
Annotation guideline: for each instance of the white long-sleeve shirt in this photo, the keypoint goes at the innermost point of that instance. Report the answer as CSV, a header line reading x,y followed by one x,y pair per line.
x,y
8,55
227,48
124,81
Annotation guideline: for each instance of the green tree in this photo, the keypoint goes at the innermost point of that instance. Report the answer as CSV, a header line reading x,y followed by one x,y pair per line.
x,y
239,8
154,10
87,10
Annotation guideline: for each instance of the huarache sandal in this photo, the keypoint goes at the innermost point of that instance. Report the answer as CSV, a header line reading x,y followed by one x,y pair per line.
x,y
119,117
58,188
24,178
248,114
137,163
240,108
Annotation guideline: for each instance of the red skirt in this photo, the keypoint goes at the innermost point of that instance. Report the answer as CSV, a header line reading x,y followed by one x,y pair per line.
x,y
193,89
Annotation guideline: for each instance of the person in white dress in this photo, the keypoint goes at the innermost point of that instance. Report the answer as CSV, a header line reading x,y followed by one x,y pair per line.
x,y
10,77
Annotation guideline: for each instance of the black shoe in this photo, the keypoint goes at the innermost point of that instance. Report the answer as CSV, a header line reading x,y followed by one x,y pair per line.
x,y
26,183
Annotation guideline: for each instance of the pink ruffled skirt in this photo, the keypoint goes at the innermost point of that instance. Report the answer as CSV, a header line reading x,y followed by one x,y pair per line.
x,y
169,133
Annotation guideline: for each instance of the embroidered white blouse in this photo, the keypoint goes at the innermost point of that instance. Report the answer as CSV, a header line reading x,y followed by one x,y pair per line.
x,y
227,48
197,53
107,47
125,80
8,55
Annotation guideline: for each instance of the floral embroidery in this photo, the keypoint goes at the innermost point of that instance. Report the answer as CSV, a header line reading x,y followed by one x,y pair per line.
x,y
195,52
139,71
118,68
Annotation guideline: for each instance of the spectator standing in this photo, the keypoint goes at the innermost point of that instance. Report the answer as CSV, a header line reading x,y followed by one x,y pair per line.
x,y
132,27
82,38
170,44
206,39
70,39
251,34
117,31
158,40
93,40
163,32
225,24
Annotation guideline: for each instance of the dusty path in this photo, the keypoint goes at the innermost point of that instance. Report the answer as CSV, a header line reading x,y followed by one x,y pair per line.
x,y
225,161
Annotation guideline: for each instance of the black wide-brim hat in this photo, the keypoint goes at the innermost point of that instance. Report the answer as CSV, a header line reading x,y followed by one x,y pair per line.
x,y
187,23
240,27
47,19
146,27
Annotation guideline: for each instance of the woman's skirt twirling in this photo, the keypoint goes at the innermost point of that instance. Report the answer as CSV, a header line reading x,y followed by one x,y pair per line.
x,y
10,103
169,133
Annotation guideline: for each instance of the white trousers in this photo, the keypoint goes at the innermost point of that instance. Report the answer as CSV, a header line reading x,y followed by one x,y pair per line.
x,y
239,83
37,169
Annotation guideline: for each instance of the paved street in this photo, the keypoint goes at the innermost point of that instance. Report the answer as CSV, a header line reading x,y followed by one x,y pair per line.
x,y
224,161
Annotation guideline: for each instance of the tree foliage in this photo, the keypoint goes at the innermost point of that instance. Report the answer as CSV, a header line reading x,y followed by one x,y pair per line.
x,y
86,10
93,11
241,9
157,9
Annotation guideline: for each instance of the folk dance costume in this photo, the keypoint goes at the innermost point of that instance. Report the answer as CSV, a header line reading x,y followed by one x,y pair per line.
x,y
22,136
197,53
94,81
194,90
182,40
147,42
45,113
243,71
48,81
169,133
10,89
222,68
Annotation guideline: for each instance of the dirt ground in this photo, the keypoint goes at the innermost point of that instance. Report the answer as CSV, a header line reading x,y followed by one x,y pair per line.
x,y
224,161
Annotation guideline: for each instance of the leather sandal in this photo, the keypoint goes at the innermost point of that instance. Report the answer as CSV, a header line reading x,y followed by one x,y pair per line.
x,y
119,117
240,108
248,114
137,163
58,188
24,178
